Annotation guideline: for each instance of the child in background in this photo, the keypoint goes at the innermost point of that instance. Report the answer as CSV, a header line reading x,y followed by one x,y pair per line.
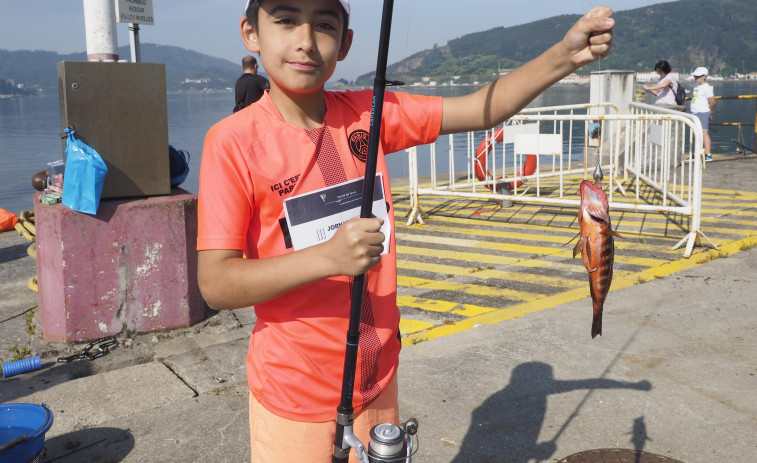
x,y
299,138
702,106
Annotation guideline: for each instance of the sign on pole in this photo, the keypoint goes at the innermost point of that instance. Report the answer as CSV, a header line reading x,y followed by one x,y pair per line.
x,y
134,12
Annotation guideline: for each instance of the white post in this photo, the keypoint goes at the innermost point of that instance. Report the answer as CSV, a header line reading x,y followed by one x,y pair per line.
x,y
616,87
136,53
100,26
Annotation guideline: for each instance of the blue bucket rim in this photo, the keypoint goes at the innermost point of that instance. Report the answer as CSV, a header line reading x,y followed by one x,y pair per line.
x,y
42,428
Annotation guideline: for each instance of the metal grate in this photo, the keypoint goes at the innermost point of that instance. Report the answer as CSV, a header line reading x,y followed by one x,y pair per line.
x,y
616,456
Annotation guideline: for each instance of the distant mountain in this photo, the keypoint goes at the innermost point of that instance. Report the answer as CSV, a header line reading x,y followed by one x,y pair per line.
x,y
719,34
185,69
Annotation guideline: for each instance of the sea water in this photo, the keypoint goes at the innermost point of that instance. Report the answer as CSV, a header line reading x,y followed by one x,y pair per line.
x,y
30,132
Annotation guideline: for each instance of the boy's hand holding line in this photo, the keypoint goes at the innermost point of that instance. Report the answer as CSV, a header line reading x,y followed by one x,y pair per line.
x,y
590,38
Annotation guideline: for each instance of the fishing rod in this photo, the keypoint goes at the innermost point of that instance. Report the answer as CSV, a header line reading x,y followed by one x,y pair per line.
x,y
389,443
738,143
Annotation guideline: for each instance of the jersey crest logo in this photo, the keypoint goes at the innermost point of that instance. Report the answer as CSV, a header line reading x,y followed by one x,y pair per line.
x,y
359,144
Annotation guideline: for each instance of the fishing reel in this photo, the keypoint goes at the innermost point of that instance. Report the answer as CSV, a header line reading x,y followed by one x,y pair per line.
x,y
389,443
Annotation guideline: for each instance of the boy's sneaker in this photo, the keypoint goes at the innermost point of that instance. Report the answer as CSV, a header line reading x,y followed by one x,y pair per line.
x,y
707,157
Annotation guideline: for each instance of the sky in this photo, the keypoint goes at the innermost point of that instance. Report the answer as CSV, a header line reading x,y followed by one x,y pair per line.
x,y
212,26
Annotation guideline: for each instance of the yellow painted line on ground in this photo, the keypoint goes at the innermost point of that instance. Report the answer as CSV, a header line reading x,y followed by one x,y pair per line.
x,y
472,289
413,326
732,193
484,274
725,202
432,305
523,249
558,237
486,258
467,310
481,259
570,232
580,293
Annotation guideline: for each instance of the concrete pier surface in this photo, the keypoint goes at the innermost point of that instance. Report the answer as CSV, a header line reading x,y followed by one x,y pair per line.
x,y
674,374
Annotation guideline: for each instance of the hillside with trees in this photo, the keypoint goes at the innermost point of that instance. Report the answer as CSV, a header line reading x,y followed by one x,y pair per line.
x,y
185,69
719,34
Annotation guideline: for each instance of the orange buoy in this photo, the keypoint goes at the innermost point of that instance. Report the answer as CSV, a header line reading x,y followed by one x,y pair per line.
x,y
487,146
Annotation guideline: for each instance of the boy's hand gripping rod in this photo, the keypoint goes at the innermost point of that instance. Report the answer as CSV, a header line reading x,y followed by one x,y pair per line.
x,y
389,443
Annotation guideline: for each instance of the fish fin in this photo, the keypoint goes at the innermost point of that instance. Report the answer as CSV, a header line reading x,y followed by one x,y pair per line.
x,y
596,325
578,246
616,234
568,242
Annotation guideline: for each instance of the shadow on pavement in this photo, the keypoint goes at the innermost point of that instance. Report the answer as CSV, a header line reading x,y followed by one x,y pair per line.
x,y
506,426
51,374
93,445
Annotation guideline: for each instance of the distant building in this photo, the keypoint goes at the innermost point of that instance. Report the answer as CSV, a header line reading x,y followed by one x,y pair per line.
x,y
752,76
650,76
575,79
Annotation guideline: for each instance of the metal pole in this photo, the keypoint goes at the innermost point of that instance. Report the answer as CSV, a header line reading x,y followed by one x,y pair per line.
x,y
346,411
100,29
136,54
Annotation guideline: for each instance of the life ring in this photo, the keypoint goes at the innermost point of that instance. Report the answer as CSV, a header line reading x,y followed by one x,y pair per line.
x,y
485,147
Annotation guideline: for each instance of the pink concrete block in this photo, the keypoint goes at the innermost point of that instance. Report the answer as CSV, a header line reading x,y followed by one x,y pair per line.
x,y
131,268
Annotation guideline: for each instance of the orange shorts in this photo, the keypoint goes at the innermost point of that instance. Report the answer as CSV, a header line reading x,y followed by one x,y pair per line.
x,y
274,439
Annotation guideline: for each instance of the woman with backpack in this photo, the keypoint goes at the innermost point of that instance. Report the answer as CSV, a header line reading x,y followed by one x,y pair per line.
x,y
666,87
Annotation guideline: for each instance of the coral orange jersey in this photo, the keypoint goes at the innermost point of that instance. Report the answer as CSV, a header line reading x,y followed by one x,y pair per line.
x,y
254,160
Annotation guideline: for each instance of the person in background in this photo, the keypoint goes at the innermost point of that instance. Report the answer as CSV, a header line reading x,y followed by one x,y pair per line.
x,y
666,87
250,86
702,106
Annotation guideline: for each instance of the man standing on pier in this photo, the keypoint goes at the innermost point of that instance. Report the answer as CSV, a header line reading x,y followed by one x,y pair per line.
x,y
250,86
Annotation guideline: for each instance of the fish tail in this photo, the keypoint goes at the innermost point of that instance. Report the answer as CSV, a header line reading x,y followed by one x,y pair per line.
x,y
596,324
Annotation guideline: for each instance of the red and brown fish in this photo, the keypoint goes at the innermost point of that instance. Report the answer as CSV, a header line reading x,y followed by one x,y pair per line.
x,y
595,243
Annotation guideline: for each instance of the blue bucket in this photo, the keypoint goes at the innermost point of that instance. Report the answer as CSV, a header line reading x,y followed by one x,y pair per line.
x,y
22,431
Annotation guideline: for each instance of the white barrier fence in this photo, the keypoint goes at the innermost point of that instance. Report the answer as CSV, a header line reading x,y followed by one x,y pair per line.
x,y
650,147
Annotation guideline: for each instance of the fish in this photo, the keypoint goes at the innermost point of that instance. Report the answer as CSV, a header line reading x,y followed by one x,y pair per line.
x,y
596,245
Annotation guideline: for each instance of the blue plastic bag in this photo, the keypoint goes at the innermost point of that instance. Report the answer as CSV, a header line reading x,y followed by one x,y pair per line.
x,y
83,177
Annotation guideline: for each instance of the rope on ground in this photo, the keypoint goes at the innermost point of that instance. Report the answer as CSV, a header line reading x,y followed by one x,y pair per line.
x,y
26,228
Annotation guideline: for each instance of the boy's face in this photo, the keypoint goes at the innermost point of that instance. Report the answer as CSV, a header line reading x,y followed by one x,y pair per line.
x,y
299,41
700,79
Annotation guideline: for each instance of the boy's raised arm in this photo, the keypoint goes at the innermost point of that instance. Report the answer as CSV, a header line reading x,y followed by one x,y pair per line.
x,y
588,40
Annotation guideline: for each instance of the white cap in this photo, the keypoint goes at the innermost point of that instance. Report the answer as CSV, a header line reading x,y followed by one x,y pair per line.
x,y
700,71
345,4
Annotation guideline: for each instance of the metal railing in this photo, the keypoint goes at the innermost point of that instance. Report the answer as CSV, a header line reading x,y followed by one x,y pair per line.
x,y
649,147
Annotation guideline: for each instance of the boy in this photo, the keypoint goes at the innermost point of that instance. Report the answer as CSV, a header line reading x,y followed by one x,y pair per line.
x,y
702,106
298,139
